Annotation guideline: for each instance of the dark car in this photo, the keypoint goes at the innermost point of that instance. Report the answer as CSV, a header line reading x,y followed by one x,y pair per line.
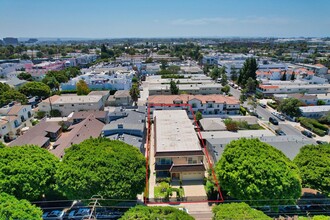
x,y
53,215
280,132
273,120
262,105
307,133
314,209
290,210
321,142
77,213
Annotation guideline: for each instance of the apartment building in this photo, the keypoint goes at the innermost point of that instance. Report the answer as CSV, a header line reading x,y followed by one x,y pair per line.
x,y
193,89
120,98
13,119
71,103
214,104
178,153
270,90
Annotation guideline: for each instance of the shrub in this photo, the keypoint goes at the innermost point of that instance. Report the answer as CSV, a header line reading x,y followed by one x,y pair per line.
x,y
313,125
272,105
231,125
55,113
242,110
166,180
40,114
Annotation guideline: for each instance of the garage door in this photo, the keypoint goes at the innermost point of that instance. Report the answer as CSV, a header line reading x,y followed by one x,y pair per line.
x,y
193,176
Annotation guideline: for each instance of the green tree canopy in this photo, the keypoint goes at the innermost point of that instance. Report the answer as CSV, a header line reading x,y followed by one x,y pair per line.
x,y
35,89
249,69
174,88
51,82
104,167
250,85
155,213
225,89
237,211
233,74
27,172
134,92
290,107
198,116
252,170
12,208
12,95
313,162
215,73
82,88
25,76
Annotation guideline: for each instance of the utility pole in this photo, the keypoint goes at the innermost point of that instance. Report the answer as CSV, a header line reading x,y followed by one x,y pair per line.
x,y
94,204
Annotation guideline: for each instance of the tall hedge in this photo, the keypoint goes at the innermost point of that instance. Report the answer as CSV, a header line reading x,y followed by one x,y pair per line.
x,y
252,170
99,166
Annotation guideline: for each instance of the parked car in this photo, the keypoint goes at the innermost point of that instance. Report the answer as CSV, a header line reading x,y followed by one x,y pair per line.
x,y
77,213
279,116
321,142
307,133
314,209
184,210
262,105
273,120
53,215
280,132
290,210
254,114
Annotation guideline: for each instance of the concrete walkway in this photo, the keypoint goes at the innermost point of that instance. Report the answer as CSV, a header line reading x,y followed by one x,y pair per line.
x,y
152,177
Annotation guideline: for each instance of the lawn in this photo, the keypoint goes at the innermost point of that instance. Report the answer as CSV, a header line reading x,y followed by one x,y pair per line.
x,y
161,189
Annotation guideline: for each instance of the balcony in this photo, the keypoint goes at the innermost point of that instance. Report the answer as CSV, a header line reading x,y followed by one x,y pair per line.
x,y
177,168
163,166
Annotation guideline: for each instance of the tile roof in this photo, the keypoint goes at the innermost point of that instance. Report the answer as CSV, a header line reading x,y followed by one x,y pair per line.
x,y
15,109
35,135
169,99
85,114
90,127
268,87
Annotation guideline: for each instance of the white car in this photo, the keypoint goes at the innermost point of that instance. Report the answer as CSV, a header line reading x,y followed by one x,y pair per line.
x,y
184,210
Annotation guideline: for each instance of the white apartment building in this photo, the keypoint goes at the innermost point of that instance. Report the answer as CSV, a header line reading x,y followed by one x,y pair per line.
x,y
71,103
214,104
269,90
193,89
314,111
102,81
13,119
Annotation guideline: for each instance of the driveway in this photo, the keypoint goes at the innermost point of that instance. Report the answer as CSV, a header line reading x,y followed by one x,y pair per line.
x,y
193,189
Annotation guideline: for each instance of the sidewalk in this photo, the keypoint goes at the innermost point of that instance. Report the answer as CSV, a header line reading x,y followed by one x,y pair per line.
x,y
152,177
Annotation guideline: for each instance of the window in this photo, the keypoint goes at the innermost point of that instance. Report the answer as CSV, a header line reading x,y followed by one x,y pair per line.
x,y
164,161
192,160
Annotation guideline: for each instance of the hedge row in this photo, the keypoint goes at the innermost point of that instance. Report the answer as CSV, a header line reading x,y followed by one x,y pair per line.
x,y
314,126
272,105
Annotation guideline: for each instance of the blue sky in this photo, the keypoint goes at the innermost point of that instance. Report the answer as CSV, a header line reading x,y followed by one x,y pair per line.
x,y
166,18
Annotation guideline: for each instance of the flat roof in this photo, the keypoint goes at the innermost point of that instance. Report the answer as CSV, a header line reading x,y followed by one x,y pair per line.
x,y
174,131
290,144
317,108
78,99
238,134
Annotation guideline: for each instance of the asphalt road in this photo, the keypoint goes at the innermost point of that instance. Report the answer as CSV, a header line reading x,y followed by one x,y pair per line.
x,y
265,113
